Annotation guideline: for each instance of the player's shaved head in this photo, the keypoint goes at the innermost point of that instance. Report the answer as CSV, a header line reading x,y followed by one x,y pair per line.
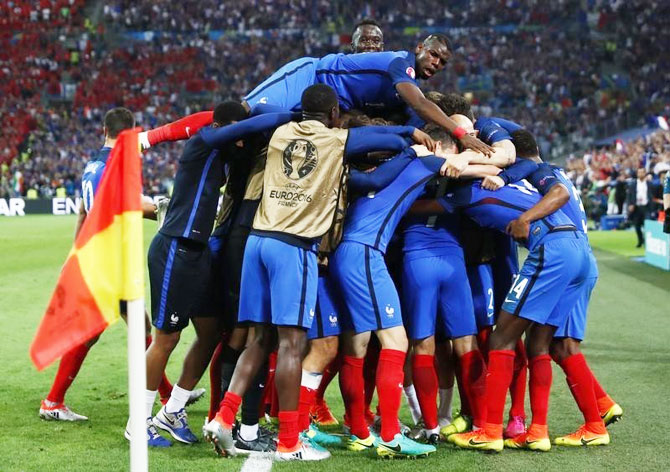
x,y
319,102
228,112
463,122
318,98
116,120
525,144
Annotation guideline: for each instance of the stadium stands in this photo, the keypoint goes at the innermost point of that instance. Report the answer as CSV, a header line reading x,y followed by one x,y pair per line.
x,y
570,73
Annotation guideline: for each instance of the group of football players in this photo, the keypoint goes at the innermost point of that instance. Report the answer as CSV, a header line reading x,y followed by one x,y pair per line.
x,y
367,230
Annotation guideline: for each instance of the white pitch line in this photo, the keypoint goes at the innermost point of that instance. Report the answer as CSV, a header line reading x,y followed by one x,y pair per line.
x,y
257,462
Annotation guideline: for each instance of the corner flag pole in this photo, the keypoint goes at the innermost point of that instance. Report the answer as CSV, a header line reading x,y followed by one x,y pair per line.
x,y
137,375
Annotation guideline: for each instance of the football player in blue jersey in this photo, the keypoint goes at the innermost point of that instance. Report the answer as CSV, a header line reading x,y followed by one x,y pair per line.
x,y
545,272
595,404
383,81
53,407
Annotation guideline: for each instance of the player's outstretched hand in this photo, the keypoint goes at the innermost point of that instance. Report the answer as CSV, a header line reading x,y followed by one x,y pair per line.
x,y
453,166
420,137
470,142
492,182
519,229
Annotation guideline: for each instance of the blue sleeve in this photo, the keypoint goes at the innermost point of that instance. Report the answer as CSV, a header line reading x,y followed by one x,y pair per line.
x,y
521,169
362,140
433,163
263,108
382,176
401,71
218,137
543,179
491,132
507,125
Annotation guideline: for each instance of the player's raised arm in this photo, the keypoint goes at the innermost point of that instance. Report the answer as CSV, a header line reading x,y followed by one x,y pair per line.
x,y
183,128
217,137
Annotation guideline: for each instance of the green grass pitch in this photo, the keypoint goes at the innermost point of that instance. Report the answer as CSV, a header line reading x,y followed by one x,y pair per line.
x,y
627,347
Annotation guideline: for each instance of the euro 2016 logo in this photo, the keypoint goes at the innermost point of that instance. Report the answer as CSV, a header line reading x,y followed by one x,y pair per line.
x,y
299,159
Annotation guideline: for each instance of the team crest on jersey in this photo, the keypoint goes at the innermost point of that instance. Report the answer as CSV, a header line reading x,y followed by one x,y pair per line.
x,y
410,71
299,159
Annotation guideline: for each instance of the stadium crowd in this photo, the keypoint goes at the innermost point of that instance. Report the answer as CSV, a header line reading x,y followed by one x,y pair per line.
x,y
516,72
605,176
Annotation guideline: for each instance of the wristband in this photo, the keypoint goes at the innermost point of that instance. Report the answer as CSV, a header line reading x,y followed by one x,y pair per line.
x,y
459,132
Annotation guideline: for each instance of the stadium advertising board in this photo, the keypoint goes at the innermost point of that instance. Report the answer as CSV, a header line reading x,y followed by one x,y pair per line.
x,y
42,206
657,245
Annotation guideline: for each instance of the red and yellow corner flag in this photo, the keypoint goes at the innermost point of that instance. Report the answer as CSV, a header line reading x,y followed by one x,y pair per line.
x,y
105,265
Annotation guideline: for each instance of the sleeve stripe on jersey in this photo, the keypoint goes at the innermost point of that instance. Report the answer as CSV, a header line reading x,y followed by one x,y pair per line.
x,y
352,72
395,206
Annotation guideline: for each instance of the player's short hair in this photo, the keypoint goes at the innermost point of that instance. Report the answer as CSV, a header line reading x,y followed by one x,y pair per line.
x,y
318,98
116,120
451,104
525,143
229,111
439,134
366,22
440,38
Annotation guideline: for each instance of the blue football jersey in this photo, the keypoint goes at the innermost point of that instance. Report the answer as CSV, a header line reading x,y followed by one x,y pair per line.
x,y
372,219
545,177
496,209
367,80
92,176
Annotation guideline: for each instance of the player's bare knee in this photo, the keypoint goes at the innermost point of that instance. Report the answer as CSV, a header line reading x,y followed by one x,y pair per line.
x,y
393,338
166,341
563,348
425,346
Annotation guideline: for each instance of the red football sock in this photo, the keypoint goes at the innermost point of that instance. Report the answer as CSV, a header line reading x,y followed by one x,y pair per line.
x,y
370,372
426,386
474,382
351,386
465,402
229,406
500,370
329,374
605,402
540,387
483,341
307,398
68,369
183,128
390,376
288,429
580,381
517,389
215,381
